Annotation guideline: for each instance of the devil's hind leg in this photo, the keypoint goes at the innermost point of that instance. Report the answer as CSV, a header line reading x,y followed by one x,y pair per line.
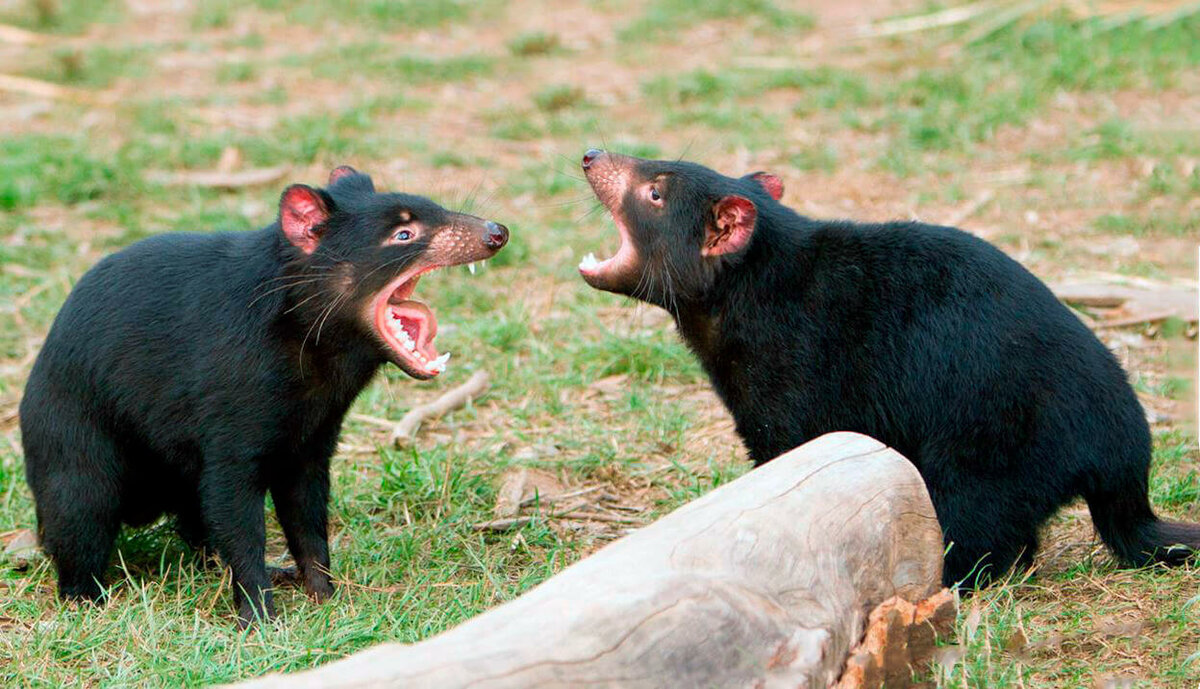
x,y
74,471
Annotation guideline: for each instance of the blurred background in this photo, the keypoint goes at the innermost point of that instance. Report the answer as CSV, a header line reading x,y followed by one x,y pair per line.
x,y
1067,133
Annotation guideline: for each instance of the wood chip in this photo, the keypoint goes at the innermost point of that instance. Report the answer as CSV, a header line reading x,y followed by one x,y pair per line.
x,y
21,546
1139,303
508,498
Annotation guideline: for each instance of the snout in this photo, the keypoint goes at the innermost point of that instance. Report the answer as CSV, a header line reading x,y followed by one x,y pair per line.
x,y
608,173
495,236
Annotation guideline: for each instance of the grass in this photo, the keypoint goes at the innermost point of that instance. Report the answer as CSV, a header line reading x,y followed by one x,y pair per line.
x,y
486,109
666,18
377,15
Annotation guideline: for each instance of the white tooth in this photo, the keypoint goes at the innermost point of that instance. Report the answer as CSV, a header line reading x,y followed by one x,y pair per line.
x,y
589,261
471,267
410,345
439,364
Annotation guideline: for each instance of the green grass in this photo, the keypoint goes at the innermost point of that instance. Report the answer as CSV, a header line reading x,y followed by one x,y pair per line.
x,y
377,60
1155,225
61,16
474,106
535,43
666,18
376,15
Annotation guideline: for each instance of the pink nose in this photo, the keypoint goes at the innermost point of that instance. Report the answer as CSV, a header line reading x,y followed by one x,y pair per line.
x,y
591,155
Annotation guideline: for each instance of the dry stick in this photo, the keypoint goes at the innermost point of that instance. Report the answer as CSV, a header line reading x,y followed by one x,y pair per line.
x,y
971,208
12,34
406,430
949,17
217,179
571,513
550,499
374,420
46,89
1135,320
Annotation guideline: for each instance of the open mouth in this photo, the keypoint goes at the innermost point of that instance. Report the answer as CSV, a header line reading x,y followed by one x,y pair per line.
x,y
602,273
408,327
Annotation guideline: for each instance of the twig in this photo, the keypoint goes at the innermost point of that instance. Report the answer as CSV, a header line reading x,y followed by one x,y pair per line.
x,y
948,17
46,89
1135,320
599,517
551,499
970,208
13,34
216,179
571,513
502,524
406,430
373,420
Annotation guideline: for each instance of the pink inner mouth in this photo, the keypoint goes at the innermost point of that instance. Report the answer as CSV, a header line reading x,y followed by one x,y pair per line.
x,y
408,326
623,260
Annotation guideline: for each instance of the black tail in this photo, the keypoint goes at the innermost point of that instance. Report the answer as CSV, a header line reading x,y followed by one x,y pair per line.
x,y
1137,537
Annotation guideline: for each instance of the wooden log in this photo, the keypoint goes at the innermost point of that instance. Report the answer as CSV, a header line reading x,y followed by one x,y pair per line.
x,y
765,582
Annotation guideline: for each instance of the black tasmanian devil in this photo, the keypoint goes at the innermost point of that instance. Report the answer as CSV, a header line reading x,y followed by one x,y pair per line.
x,y
190,373
925,337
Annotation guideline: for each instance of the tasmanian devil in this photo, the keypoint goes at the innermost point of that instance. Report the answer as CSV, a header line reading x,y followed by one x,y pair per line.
x,y
191,373
925,337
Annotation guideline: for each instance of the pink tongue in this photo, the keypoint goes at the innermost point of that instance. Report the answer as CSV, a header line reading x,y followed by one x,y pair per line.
x,y
407,312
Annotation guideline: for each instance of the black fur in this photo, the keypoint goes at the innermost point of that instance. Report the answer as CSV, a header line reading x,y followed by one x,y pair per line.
x,y
925,337
190,373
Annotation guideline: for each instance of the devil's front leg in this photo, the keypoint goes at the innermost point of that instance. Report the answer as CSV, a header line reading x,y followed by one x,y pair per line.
x,y
231,500
301,494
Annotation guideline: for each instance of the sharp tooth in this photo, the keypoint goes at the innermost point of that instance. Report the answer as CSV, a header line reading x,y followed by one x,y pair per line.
x,y
589,261
439,364
410,345
471,267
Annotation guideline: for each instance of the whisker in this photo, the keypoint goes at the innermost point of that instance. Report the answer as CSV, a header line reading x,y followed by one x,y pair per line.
x,y
588,214
305,301
279,288
568,202
328,312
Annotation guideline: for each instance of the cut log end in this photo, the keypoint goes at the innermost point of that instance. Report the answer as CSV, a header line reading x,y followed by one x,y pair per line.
x,y
900,642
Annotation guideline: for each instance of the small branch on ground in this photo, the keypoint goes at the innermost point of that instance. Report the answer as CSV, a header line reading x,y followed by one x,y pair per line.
x,y
19,36
970,208
45,89
218,179
405,431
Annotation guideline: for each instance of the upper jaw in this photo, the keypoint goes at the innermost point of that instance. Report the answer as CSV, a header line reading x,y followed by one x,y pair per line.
x,y
609,179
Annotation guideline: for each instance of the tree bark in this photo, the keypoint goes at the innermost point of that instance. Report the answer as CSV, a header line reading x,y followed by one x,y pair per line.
x,y
764,582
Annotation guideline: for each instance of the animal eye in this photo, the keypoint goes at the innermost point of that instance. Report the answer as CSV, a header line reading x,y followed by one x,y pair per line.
x,y
654,195
403,236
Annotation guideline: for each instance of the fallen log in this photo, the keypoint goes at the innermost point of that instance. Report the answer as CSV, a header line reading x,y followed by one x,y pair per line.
x,y
765,582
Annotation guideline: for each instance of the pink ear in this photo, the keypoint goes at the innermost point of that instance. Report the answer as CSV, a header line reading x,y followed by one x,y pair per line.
x,y
771,183
301,213
339,172
733,223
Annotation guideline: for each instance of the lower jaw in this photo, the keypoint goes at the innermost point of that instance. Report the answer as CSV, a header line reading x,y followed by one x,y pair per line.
x,y
411,348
